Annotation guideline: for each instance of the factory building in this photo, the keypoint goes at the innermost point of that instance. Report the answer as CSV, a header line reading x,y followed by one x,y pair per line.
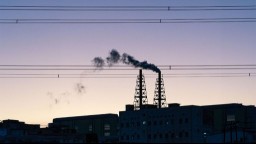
x,y
229,123
96,128
166,125
172,123
188,124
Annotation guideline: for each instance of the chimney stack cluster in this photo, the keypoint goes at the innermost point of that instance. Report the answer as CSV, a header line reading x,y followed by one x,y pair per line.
x,y
140,97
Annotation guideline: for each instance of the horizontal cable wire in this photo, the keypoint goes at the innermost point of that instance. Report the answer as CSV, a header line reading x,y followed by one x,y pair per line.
x,y
127,8
106,21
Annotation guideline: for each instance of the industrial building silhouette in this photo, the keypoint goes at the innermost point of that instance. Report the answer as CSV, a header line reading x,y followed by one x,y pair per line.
x,y
141,122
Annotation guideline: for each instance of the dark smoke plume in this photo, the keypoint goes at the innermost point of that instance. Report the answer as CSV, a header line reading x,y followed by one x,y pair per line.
x,y
98,62
114,58
130,60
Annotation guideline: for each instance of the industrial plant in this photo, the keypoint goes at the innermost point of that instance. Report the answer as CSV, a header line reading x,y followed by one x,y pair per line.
x,y
141,122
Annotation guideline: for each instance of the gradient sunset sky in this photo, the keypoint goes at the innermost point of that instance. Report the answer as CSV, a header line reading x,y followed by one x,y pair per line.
x,y
33,100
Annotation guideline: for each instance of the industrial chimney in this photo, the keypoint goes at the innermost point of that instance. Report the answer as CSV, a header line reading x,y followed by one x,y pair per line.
x,y
140,97
160,98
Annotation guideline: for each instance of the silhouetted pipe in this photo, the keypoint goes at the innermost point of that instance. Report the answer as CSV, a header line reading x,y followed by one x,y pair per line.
x,y
140,97
159,90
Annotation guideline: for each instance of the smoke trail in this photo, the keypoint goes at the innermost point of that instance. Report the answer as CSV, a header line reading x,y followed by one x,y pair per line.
x,y
80,88
114,58
98,62
130,60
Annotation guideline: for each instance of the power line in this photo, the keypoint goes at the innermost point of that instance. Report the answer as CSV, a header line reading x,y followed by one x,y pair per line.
x,y
130,77
118,21
127,8
123,67
121,75
170,65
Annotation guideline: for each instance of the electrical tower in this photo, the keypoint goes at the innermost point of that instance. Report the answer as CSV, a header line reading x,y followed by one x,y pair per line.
x,y
140,97
160,98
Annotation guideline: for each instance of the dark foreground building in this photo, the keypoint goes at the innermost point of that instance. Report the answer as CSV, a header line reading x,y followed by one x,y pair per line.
x,y
223,123
96,128
14,131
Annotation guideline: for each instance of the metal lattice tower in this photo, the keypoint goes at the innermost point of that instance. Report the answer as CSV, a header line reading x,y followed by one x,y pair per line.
x,y
160,98
140,97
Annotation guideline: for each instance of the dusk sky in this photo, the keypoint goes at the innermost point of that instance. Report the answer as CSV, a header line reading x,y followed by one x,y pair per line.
x,y
39,100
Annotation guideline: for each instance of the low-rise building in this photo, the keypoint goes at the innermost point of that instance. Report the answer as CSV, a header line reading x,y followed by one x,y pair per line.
x,y
104,126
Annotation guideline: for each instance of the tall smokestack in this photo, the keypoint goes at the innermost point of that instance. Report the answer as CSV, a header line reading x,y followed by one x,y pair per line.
x,y
159,98
159,91
140,90
140,97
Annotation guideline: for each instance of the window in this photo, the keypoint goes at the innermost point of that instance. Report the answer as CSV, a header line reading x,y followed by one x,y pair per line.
x,y
107,134
144,122
138,137
166,136
186,120
186,134
127,137
149,136
155,136
180,121
90,128
160,136
138,124
149,123
180,134
161,122
122,137
122,125
127,125
172,135
172,121
154,122
106,127
132,137
132,125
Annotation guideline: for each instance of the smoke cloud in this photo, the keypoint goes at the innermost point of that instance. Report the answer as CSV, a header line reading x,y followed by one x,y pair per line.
x,y
115,57
98,62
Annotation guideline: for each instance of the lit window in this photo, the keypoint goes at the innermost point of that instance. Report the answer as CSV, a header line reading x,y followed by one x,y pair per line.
x,y
231,118
90,127
106,127
107,134
144,122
